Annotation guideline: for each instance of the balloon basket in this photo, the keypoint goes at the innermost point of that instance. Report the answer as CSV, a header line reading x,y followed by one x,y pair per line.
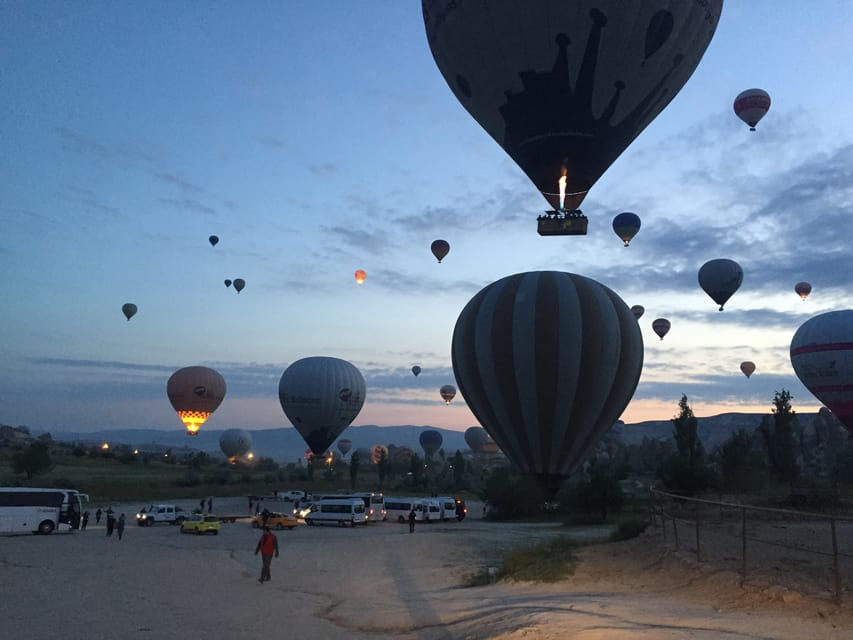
x,y
562,223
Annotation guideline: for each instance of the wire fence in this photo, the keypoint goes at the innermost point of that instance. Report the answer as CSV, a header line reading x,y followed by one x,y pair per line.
x,y
798,549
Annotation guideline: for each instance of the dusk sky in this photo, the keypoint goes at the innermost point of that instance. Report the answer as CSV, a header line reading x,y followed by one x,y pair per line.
x,y
315,139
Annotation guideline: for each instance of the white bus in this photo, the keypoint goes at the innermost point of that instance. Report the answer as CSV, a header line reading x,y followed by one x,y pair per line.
x,y
374,503
39,510
398,508
345,511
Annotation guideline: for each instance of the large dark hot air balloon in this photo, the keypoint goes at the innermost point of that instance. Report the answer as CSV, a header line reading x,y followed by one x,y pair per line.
x,y
751,106
747,367
235,443
440,248
476,437
720,278
447,392
239,284
129,310
661,327
430,441
321,396
822,357
638,310
547,361
626,225
803,289
564,87
195,393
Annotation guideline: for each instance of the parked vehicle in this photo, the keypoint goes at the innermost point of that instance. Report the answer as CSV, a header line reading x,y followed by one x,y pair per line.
x,y
275,520
37,510
398,508
430,510
159,513
343,512
448,508
198,523
374,503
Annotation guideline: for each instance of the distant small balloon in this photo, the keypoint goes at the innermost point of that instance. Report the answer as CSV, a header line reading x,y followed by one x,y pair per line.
x,y
803,289
440,248
751,106
239,283
638,310
416,370
213,240
661,327
448,392
720,278
626,225
747,367
360,276
129,310
227,283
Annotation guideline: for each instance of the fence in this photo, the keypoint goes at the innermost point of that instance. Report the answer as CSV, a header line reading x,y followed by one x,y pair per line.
x,y
802,550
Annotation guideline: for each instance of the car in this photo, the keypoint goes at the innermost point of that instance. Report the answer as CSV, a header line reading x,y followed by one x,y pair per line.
x,y
275,520
154,513
200,523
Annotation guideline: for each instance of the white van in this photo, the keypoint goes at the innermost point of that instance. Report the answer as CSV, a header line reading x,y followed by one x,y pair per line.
x,y
430,510
448,508
340,511
397,509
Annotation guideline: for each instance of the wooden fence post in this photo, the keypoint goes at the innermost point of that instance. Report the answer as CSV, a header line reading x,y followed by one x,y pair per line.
x,y
743,546
835,570
698,548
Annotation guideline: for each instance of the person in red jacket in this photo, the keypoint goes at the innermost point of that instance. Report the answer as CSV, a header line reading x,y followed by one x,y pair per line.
x,y
267,546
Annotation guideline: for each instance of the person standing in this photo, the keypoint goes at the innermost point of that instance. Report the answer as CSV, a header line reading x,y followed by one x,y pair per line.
x,y
111,521
267,546
98,516
209,505
412,517
120,526
201,506
84,521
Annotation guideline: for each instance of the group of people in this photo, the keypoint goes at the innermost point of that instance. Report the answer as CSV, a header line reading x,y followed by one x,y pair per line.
x,y
113,524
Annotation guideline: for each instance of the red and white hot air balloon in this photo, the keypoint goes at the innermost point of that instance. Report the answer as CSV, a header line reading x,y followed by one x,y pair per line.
x,y
195,393
752,105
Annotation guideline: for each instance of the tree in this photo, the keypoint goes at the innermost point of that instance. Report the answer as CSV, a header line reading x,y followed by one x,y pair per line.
x,y
778,433
601,492
354,463
686,470
383,466
458,469
33,460
686,435
739,462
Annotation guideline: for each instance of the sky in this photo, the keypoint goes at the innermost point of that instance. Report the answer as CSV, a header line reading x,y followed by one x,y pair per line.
x,y
318,138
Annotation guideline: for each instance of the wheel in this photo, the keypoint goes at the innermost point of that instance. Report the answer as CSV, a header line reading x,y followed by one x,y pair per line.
x,y
179,520
342,523
291,528
309,522
215,532
401,520
46,527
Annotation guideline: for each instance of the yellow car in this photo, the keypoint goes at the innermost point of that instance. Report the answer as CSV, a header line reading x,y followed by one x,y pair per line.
x,y
198,523
275,520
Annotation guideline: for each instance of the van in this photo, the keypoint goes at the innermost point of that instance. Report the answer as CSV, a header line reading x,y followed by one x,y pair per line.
x,y
398,508
448,508
430,510
340,511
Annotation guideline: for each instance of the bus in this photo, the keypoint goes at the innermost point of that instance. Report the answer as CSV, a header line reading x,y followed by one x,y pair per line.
x,y
40,510
374,503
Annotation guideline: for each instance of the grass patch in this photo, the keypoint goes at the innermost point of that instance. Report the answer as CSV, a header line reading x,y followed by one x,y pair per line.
x,y
549,561
629,529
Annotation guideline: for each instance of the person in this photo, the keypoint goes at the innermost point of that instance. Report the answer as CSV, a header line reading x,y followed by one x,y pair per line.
x,y
120,526
98,516
111,521
265,515
210,504
201,506
85,521
267,546
412,517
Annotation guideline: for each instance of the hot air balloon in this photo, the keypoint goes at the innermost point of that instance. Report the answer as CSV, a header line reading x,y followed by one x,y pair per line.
x,y
638,310
213,240
403,455
416,370
752,105
547,361
747,367
626,225
568,85
661,327
195,392
129,310
321,396
440,248
430,441
376,453
822,357
448,392
227,283
344,446
475,438
803,289
360,275
239,283
235,443
720,278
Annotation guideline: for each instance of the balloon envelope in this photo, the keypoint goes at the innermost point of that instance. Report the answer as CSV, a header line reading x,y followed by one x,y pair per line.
x,y
720,278
213,240
564,87
547,361
195,393
448,392
430,441
476,437
626,225
321,396
235,443
822,357
239,284
751,106
440,248
376,453
747,367
129,310
661,327
803,289
638,310
416,370
227,283
360,276
344,446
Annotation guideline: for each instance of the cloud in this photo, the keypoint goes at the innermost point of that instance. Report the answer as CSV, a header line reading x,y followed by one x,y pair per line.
x,y
80,143
180,183
188,204
324,170
272,142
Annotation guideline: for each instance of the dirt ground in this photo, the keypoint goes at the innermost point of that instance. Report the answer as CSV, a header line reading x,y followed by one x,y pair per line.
x,y
381,581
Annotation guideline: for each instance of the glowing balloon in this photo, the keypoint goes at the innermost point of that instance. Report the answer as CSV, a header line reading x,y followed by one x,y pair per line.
x,y
195,393
626,225
321,396
360,276
376,453
440,248
720,278
751,106
448,392
638,310
430,441
822,357
416,370
747,367
564,87
344,446
239,283
547,361
129,310
227,283
661,327
803,289
235,443
213,240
